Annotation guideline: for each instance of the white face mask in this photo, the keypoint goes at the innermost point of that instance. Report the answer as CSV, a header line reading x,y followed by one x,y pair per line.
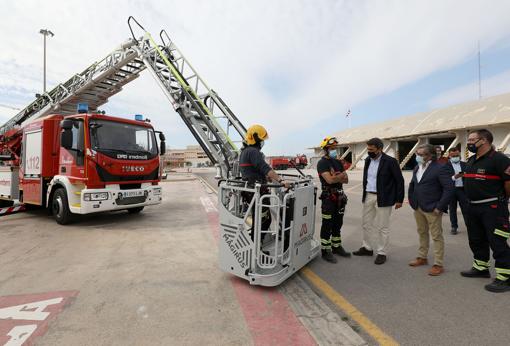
x,y
455,159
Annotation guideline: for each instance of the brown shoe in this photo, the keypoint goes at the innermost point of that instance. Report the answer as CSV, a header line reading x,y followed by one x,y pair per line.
x,y
418,262
436,270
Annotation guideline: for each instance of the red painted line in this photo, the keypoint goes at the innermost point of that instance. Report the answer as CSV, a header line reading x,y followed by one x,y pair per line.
x,y
31,313
269,318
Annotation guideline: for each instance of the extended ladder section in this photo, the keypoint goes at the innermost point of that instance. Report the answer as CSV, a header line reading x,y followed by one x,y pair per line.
x,y
210,120
94,86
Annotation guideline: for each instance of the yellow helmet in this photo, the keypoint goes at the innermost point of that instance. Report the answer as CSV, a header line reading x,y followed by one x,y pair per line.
x,y
328,142
258,130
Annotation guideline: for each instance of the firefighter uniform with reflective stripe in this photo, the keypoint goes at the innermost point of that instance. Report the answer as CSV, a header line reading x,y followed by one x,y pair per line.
x,y
254,169
487,217
333,204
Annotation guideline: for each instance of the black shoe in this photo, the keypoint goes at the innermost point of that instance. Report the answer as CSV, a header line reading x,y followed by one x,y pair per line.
x,y
498,286
454,231
475,273
327,255
380,259
363,252
339,250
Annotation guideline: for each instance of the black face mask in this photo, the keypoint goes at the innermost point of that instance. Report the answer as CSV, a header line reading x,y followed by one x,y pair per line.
x,y
472,147
372,155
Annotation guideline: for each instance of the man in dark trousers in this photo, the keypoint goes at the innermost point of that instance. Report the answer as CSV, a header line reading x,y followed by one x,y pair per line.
x,y
430,191
459,196
487,184
383,188
333,200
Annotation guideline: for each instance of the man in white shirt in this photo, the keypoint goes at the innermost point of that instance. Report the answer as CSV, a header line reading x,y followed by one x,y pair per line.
x,y
383,189
459,196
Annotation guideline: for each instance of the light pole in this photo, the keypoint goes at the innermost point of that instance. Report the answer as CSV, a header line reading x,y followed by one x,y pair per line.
x,y
45,32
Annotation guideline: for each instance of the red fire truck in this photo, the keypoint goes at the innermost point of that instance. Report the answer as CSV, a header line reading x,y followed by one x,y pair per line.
x,y
285,162
81,164
278,162
301,161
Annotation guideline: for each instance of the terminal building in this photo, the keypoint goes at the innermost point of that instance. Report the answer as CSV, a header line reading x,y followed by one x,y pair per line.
x,y
446,127
192,156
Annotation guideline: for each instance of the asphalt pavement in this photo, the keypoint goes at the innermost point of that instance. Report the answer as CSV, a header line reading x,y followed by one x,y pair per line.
x,y
406,303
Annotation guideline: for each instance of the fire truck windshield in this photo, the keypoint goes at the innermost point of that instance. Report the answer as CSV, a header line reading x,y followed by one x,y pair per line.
x,y
122,141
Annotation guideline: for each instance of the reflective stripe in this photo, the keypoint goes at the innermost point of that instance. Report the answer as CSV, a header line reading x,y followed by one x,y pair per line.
x,y
501,277
336,238
325,241
246,165
503,271
480,268
326,247
482,176
493,199
502,233
326,216
482,263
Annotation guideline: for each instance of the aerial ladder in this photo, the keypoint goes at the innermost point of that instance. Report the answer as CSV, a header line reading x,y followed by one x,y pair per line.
x,y
263,257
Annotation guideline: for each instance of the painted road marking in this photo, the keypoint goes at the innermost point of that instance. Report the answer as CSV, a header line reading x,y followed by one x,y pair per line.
x,y
208,205
325,325
335,297
268,315
375,332
23,318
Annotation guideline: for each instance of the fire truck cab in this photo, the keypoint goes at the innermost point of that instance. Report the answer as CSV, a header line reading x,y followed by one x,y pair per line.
x,y
84,163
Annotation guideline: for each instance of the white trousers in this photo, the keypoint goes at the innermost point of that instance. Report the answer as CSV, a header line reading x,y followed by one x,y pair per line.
x,y
375,222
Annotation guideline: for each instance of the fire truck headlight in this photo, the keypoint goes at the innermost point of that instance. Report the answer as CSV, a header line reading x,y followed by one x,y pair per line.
x,y
156,191
96,196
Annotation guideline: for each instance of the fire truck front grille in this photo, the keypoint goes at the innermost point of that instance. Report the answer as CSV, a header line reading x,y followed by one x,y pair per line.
x,y
107,177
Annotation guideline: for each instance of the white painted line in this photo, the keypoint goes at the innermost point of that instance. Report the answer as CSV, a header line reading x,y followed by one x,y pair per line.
x,y
208,205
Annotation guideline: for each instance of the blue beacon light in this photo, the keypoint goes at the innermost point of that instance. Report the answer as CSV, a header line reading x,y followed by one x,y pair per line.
x,y
83,108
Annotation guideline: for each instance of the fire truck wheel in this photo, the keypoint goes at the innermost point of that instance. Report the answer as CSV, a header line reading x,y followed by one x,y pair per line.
x,y
135,210
60,207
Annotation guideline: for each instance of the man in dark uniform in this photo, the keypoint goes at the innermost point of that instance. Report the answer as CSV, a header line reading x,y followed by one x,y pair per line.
x,y
254,167
487,187
332,175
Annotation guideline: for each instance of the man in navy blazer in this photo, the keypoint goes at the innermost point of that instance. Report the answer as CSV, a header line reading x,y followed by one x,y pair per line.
x,y
383,188
430,192
459,196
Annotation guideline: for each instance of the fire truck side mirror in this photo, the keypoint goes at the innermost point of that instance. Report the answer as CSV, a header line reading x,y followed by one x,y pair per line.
x,y
66,124
162,149
66,137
